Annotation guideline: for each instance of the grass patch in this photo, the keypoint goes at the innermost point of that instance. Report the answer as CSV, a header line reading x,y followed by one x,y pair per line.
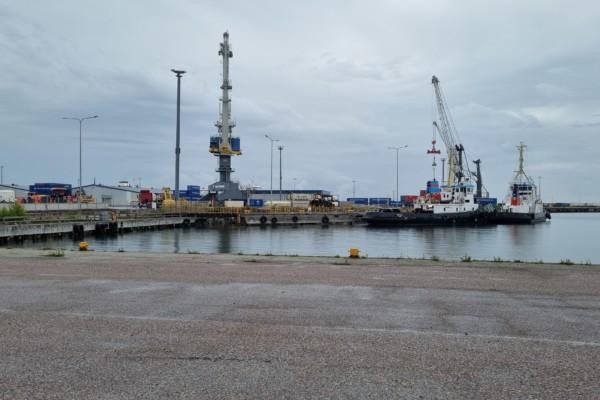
x,y
193,252
14,210
56,253
566,261
251,260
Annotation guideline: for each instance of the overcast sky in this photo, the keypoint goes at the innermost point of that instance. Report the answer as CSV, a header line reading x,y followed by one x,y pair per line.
x,y
336,81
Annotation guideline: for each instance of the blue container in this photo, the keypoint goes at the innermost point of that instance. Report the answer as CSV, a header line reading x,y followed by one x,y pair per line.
x,y
379,201
235,144
358,200
256,203
46,188
214,142
487,200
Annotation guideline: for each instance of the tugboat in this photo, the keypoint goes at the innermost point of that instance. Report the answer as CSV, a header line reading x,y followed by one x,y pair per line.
x,y
458,206
523,203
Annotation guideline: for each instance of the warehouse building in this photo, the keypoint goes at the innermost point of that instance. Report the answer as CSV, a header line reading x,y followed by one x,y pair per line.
x,y
113,196
20,191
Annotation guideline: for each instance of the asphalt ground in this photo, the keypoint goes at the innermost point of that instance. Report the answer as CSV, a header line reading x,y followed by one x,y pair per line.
x,y
125,325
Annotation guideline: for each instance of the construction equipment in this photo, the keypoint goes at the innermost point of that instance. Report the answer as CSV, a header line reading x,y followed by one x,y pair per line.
x,y
166,199
445,127
458,166
225,145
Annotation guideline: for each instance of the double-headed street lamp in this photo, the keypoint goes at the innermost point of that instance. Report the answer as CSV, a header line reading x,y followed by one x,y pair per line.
x,y
272,141
397,151
80,127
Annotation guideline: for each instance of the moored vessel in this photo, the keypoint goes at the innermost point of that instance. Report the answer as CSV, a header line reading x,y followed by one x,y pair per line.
x,y
523,203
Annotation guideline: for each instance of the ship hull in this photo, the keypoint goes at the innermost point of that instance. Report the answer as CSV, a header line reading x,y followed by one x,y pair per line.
x,y
425,219
510,218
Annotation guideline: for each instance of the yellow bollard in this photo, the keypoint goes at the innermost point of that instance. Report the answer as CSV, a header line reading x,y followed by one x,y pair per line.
x,y
354,252
83,246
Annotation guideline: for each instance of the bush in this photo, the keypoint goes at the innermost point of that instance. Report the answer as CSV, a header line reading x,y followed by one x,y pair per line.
x,y
56,253
466,258
566,262
14,210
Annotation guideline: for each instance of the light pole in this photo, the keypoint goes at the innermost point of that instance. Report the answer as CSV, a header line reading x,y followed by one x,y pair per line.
x,y
80,127
272,141
397,170
280,148
354,189
177,73
443,165
1,174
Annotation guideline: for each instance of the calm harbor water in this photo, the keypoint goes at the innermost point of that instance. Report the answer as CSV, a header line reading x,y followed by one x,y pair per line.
x,y
567,236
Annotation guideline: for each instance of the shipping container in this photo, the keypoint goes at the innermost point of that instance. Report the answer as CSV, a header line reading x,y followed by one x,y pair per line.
x,y
234,204
278,203
256,203
358,200
379,201
214,142
487,200
235,144
51,189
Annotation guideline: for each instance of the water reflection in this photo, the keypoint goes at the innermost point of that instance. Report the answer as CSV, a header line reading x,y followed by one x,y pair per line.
x,y
569,236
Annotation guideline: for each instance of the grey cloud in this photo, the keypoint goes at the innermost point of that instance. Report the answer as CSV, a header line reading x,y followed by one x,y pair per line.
x,y
336,87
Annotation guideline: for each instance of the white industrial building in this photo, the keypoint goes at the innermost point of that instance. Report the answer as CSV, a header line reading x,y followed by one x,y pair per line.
x,y
20,191
113,196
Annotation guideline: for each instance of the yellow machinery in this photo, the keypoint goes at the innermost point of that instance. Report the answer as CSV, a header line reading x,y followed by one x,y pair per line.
x,y
167,198
86,199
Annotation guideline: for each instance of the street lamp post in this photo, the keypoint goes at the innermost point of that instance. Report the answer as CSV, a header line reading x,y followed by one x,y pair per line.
x,y
1,174
280,148
354,189
80,147
177,73
397,168
443,165
272,141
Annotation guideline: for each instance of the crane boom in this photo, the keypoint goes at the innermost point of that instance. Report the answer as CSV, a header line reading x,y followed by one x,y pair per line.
x,y
447,132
